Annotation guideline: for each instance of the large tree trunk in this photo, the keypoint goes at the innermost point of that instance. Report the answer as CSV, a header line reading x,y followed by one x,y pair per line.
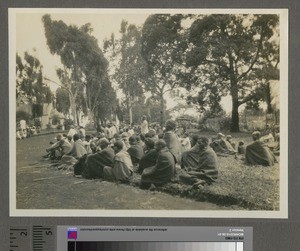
x,y
162,110
234,125
73,108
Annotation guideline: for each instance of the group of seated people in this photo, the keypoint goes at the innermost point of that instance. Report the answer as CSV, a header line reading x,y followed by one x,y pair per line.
x,y
157,158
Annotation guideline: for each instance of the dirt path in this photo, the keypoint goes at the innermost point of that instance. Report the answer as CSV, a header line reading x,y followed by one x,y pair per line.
x,y
42,187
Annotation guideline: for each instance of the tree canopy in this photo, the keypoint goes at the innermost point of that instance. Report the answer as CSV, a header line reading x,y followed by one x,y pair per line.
x,y
231,54
84,62
30,87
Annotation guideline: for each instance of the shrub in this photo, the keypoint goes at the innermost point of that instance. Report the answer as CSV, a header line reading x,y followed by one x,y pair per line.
x,y
68,123
55,120
22,115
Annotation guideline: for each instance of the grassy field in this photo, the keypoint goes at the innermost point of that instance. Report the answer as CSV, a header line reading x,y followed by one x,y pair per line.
x,y
238,185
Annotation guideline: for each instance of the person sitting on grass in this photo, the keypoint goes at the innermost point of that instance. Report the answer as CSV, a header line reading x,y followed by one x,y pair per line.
x,y
94,164
135,151
257,153
172,140
241,147
200,164
221,146
231,142
59,148
164,169
122,167
150,157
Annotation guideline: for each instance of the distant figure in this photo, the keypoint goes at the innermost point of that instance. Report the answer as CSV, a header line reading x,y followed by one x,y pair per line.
x,y
221,146
185,142
23,125
172,140
257,153
200,163
241,147
231,142
95,163
122,168
164,169
72,131
81,132
144,126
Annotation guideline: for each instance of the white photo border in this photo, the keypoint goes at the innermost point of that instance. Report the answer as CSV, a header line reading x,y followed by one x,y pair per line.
x,y
281,213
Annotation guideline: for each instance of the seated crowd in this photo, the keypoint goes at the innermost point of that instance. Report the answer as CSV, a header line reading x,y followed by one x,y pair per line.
x,y
156,157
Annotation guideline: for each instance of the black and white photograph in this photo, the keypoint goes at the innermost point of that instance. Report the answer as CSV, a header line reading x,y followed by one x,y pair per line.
x,y
148,112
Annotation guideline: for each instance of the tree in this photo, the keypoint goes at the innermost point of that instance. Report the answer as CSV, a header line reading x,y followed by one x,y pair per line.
x,y
62,101
231,51
106,106
85,67
163,46
130,71
30,86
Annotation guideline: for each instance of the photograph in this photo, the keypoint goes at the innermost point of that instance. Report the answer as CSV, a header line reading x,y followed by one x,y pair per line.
x,y
148,112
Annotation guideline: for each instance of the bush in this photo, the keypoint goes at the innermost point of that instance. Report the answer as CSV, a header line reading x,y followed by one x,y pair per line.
x,y
68,123
225,123
55,120
37,122
22,115
59,127
48,126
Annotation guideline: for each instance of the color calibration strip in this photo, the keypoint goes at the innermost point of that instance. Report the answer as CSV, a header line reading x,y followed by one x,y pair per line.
x,y
154,246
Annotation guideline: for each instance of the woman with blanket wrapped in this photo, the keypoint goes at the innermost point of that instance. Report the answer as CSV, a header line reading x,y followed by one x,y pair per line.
x,y
94,164
150,157
200,164
164,169
259,154
135,150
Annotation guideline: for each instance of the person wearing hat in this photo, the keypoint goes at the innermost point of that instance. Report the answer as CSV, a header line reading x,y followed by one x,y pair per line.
x,y
172,141
257,153
93,168
122,167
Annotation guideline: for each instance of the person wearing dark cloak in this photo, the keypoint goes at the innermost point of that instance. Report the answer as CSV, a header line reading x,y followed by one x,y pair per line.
x,y
200,164
257,153
135,150
94,164
164,169
150,157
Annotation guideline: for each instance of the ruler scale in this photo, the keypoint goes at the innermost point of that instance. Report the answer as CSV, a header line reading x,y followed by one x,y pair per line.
x,y
35,238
